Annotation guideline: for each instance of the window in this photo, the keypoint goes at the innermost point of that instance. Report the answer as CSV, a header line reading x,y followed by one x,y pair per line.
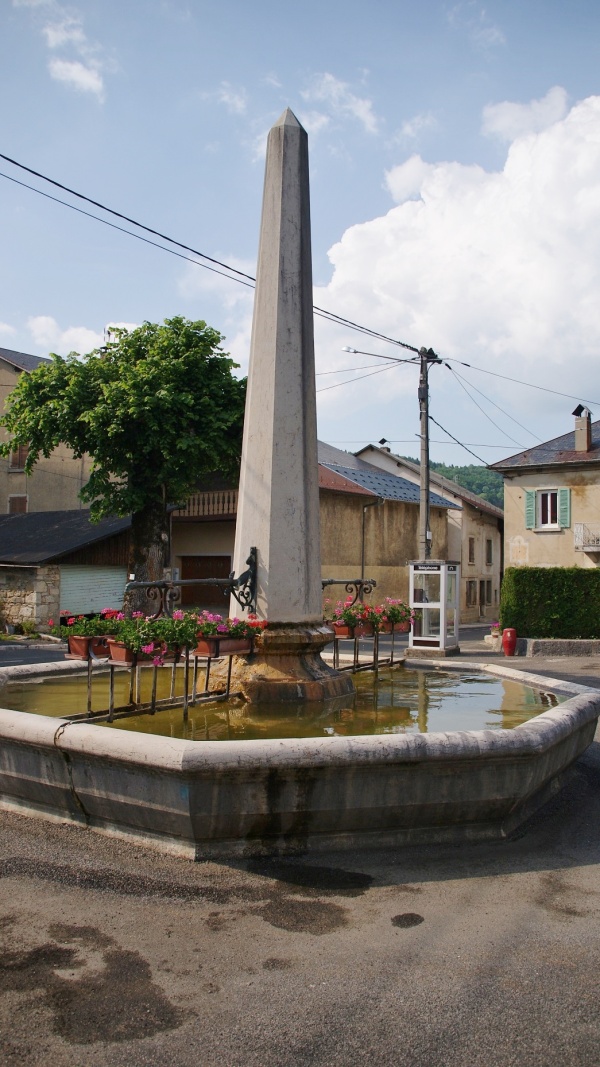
x,y
17,505
471,550
489,553
18,458
488,592
471,593
547,509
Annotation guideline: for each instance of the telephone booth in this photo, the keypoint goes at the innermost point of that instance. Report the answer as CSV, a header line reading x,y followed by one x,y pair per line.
x,y
434,599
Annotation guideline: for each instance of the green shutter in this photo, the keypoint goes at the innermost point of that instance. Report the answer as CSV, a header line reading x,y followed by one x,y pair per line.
x,y
564,508
530,509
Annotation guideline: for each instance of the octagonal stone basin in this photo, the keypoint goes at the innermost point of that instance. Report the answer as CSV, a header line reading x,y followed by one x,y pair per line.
x,y
294,795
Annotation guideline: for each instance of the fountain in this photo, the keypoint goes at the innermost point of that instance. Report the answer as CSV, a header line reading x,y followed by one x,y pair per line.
x,y
294,793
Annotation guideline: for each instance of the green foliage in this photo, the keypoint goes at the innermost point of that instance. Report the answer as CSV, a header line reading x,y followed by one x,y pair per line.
x,y
551,602
154,410
487,484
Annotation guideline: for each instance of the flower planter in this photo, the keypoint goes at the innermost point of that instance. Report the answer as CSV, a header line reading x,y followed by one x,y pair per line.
x,y
361,630
86,646
121,654
385,627
222,646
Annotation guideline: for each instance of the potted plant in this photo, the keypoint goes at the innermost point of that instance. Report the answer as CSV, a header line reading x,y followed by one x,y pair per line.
x,y
221,637
352,619
87,635
398,614
143,637
495,629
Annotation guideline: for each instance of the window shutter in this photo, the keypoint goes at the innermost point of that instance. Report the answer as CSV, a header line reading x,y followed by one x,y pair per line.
x,y
564,508
530,509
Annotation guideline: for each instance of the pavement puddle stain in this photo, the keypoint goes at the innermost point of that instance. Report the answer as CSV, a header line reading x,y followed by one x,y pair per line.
x,y
304,916
407,919
96,991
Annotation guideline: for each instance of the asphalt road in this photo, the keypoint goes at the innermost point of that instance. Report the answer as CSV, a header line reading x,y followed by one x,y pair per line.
x,y
472,956
113,955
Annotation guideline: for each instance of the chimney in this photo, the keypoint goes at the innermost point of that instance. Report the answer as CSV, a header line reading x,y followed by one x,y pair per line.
x,y
583,429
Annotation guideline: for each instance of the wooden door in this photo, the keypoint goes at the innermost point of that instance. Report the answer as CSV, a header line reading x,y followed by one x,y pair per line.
x,y
208,596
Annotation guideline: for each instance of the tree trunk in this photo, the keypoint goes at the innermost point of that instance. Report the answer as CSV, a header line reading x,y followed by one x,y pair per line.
x,y
148,554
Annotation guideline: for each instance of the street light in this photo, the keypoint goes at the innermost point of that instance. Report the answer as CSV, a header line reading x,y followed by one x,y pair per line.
x,y
425,357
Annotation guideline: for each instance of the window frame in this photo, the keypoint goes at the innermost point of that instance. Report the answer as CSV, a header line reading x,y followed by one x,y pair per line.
x,y
471,550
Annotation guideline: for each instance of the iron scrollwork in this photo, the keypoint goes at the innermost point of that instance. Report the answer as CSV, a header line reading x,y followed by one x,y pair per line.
x,y
357,588
166,594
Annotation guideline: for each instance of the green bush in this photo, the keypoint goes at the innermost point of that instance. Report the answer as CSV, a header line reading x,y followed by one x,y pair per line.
x,y
551,601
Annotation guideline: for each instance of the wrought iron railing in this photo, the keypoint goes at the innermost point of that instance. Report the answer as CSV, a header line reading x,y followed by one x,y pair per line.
x,y
587,536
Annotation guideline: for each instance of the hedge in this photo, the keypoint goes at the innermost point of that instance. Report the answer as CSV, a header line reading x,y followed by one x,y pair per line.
x,y
551,601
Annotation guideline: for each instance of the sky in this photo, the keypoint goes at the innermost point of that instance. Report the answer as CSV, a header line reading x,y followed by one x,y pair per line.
x,y
455,194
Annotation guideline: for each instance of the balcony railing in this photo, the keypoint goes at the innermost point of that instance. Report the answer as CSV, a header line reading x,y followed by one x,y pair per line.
x,y
587,536
218,504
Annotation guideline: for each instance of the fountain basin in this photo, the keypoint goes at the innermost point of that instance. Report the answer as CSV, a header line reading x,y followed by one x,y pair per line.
x,y
248,797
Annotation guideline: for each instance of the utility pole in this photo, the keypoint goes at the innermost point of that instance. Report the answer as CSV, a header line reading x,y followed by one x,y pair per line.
x,y
427,356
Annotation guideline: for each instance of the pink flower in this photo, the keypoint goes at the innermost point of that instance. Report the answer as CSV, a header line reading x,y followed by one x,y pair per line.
x,y
71,621
137,614
222,629
148,649
50,622
158,661
178,615
119,616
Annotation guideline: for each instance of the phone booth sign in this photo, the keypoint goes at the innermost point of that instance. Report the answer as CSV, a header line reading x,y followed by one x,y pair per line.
x,y
434,599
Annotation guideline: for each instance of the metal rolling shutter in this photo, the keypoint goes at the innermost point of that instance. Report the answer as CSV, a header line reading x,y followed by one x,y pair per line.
x,y
85,589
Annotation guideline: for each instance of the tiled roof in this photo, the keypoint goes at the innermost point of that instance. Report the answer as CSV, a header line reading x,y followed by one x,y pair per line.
x,y
41,536
560,451
22,360
435,478
331,479
388,486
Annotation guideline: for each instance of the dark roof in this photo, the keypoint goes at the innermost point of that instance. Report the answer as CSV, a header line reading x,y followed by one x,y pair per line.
x,y
22,360
388,486
560,451
330,479
329,455
41,536
435,478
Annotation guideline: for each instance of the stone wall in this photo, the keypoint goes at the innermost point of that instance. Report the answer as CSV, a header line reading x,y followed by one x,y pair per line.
x,y
29,594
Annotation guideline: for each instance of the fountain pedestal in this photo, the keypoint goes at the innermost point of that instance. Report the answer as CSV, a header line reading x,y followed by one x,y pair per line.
x,y
287,666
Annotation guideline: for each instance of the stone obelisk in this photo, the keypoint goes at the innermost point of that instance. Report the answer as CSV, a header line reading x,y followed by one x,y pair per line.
x,y
278,505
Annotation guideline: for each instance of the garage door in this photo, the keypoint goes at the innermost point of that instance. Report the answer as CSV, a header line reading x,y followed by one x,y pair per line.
x,y
85,589
205,567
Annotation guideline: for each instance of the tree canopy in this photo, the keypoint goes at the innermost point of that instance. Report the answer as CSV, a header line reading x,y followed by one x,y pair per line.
x,y
486,483
155,409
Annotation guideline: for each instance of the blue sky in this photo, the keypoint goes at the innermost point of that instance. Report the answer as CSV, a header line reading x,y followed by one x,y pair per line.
x,y
455,183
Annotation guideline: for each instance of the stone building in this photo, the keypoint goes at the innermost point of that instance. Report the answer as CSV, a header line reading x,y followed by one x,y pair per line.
x,y
475,535
56,481
552,499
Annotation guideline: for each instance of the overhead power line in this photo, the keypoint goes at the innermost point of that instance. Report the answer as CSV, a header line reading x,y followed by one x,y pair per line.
x,y
233,272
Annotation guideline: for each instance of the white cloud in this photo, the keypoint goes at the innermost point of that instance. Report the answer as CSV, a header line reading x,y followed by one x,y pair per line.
x,y
509,120
482,33
498,268
314,121
46,333
78,76
235,100
341,102
63,29
6,330
411,128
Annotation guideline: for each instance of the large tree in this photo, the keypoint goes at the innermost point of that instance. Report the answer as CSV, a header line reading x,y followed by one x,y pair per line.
x,y
155,409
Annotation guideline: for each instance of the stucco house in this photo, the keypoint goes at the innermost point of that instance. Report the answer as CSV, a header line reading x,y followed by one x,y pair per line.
x,y
369,525
55,482
475,535
552,499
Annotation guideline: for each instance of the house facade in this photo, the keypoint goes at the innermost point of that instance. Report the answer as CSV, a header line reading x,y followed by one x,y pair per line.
x,y
368,526
475,535
552,500
56,481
